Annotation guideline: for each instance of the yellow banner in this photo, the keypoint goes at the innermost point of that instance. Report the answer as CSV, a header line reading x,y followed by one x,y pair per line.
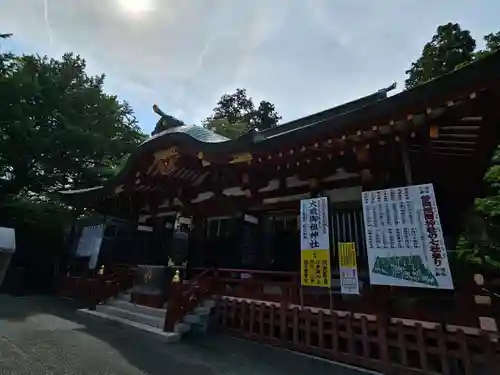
x,y
347,255
315,268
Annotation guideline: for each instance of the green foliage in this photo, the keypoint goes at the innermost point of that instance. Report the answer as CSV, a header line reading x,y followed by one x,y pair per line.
x,y
451,48
480,243
235,114
58,127
492,44
33,210
58,130
266,116
230,130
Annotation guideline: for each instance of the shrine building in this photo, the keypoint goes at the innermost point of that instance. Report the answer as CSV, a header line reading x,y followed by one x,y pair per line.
x,y
241,197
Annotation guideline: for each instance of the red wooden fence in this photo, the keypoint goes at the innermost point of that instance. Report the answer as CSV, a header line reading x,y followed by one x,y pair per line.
x,y
96,289
457,307
376,344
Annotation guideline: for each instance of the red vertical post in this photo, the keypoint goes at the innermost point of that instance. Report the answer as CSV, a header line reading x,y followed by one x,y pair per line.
x,y
174,306
284,314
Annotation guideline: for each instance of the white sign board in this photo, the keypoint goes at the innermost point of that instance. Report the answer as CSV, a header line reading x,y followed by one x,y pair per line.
x,y
315,242
314,228
348,268
7,240
404,238
90,243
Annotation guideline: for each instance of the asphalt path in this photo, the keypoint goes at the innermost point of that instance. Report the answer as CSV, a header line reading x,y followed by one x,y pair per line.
x,y
45,335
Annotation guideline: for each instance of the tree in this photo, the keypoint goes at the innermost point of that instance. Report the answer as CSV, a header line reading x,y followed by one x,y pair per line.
x,y
266,116
59,129
236,113
229,130
492,44
449,47
5,58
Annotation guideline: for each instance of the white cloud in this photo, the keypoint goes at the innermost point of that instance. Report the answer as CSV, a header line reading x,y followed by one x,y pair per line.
x,y
304,56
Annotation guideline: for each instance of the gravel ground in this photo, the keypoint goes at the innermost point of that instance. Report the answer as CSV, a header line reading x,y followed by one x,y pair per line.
x,y
44,335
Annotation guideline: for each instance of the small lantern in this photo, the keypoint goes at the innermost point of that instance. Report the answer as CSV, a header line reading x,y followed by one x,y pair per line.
x,y
177,277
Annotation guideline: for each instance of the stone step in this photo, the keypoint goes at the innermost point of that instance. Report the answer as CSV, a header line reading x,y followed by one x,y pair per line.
x,y
182,328
202,311
192,319
125,305
169,337
146,319
210,303
199,328
124,297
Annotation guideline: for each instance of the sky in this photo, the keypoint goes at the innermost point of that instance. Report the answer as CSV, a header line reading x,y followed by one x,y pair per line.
x,y
302,55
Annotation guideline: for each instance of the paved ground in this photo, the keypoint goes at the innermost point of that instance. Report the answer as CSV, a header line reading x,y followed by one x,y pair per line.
x,y
43,335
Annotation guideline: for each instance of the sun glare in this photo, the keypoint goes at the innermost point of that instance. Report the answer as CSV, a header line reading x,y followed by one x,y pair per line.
x,y
136,6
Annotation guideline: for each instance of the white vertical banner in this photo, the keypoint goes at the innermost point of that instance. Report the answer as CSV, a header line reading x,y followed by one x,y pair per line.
x,y
90,243
348,268
404,238
7,239
315,243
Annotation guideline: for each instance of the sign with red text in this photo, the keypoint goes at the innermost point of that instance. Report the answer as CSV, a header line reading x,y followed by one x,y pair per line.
x,y
315,243
404,238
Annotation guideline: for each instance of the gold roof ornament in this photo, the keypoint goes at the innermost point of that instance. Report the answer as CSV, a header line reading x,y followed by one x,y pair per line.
x,y
177,277
240,158
101,270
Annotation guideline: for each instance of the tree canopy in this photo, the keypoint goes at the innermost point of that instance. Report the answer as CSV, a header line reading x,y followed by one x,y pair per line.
x,y
58,127
236,114
449,49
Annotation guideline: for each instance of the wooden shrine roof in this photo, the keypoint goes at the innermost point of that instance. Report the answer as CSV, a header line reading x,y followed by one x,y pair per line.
x,y
190,160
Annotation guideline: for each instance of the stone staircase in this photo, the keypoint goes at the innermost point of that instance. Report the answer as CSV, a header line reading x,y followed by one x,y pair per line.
x,y
151,319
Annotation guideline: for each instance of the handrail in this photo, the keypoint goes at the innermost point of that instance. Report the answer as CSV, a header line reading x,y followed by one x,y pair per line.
x,y
95,289
200,276
250,271
185,298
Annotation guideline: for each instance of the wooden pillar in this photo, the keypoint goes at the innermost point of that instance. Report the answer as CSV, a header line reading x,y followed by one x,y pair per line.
x,y
247,241
406,162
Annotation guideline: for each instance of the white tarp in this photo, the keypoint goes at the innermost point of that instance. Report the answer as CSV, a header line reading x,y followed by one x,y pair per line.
x,y
7,240
90,243
404,238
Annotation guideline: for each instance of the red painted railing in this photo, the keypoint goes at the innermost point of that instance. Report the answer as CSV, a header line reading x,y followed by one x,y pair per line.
x,y
377,343
94,290
457,307
261,305
184,298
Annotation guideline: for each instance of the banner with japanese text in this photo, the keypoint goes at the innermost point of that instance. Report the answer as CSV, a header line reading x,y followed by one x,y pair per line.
x,y
404,238
315,242
348,267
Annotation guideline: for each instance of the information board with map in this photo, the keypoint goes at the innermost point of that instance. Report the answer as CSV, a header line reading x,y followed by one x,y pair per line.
x,y
404,238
